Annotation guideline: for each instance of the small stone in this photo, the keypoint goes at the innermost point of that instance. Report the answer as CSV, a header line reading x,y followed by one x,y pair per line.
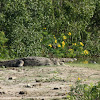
x,y
2,93
28,86
55,88
12,78
37,84
37,80
60,87
22,92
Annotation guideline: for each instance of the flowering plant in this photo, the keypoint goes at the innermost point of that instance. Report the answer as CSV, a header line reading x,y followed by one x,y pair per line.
x,y
62,46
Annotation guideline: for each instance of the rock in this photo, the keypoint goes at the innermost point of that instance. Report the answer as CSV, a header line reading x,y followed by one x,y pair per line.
x,y
2,93
28,86
34,85
37,80
37,84
55,88
11,78
23,92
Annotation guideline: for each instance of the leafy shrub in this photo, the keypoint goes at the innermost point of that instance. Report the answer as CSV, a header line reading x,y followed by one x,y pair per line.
x,y
3,47
23,30
84,92
93,42
62,46
23,22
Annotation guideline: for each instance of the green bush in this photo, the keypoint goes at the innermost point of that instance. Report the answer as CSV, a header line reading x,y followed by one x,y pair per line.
x,y
84,92
62,46
24,21
93,42
23,30
3,47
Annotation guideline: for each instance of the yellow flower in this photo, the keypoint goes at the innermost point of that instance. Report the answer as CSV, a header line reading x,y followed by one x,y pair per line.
x,y
70,50
44,28
63,44
64,37
74,44
55,41
81,44
50,45
86,52
54,36
69,33
79,78
59,45
85,62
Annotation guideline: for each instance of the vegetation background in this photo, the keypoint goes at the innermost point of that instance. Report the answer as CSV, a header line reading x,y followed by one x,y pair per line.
x,y
51,28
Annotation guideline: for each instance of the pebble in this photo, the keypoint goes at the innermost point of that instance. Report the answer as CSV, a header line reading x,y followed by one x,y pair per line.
x,y
37,80
28,86
2,93
22,92
55,88
11,78
37,84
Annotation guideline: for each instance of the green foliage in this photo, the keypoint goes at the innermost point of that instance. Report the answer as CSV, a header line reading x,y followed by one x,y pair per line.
x,y
23,31
84,92
26,22
93,42
3,49
62,46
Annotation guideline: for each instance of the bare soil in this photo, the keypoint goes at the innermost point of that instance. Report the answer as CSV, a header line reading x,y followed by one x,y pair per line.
x,y
42,83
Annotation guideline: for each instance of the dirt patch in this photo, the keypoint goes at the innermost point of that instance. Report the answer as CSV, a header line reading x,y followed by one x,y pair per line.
x,y
42,83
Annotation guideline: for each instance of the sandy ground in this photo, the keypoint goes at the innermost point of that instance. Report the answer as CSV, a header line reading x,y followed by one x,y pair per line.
x,y
42,83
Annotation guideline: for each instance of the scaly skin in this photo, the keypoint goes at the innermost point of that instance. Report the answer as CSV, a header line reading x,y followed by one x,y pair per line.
x,y
35,61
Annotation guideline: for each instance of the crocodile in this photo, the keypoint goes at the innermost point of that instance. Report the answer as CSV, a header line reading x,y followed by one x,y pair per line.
x,y
35,61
